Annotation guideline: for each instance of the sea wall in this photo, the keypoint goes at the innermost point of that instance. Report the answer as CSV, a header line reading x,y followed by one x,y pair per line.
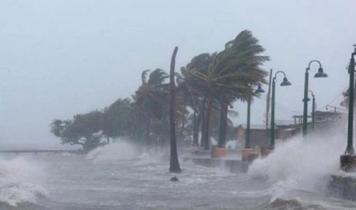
x,y
343,186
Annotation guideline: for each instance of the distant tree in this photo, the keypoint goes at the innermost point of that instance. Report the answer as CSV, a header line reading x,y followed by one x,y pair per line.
x,y
83,129
345,100
119,119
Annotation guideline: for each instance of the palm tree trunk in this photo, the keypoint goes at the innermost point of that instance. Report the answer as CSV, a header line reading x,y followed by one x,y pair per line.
x,y
203,115
182,130
196,122
223,123
174,162
206,132
148,130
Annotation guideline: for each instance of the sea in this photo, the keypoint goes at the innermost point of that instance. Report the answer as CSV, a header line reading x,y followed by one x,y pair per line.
x,y
123,176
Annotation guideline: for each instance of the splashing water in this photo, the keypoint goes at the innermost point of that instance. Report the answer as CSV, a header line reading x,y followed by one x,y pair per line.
x,y
16,181
125,151
114,152
300,164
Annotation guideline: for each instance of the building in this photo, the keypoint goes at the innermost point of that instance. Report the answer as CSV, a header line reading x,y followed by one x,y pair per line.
x,y
259,135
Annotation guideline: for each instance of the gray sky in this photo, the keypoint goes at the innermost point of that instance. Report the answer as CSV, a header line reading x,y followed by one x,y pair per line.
x,y
61,57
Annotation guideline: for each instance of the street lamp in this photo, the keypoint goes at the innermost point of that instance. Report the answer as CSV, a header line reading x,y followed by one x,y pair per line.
x,y
350,148
285,82
257,91
348,160
319,74
313,109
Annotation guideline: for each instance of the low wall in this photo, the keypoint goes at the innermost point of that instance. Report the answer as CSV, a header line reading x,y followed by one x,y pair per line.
x,y
343,186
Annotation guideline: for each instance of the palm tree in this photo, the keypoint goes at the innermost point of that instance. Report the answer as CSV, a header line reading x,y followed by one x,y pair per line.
x,y
192,99
240,71
197,76
174,162
226,76
151,97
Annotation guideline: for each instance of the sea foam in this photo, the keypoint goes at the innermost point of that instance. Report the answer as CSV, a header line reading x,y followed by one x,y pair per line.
x,y
301,164
19,181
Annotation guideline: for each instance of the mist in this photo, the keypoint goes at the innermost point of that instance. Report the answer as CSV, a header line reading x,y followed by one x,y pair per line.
x,y
60,58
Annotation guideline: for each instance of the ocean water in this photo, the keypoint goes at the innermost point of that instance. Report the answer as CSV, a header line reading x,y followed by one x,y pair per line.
x,y
120,176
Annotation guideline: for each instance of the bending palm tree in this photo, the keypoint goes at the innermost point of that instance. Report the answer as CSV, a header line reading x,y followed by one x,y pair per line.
x,y
226,76
240,70
174,162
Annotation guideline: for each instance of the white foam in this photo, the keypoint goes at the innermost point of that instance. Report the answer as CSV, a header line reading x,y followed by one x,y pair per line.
x,y
301,164
17,181
16,193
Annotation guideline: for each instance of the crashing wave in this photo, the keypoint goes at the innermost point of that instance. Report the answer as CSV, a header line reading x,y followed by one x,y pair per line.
x,y
16,177
299,167
18,193
300,164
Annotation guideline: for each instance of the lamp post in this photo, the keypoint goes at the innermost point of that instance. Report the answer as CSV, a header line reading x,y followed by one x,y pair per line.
x,y
248,130
285,82
350,148
313,109
319,74
348,160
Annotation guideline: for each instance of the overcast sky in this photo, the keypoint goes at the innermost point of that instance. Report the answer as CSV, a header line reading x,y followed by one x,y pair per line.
x,y
62,57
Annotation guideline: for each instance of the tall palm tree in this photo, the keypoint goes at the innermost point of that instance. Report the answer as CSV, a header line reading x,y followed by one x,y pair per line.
x,y
240,67
197,76
226,76
174,162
